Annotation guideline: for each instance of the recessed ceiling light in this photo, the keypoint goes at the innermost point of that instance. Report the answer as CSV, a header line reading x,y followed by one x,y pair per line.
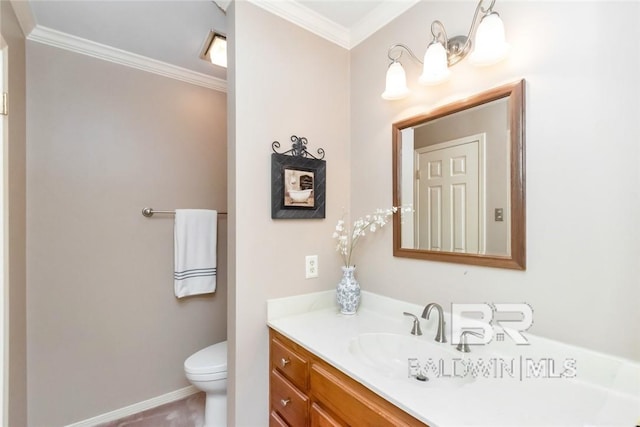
x,y
215,49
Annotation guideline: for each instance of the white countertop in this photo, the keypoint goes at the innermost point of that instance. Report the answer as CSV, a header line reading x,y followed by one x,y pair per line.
x,y
604,391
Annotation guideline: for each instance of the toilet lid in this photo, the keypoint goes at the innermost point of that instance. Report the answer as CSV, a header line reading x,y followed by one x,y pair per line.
x,y
208,360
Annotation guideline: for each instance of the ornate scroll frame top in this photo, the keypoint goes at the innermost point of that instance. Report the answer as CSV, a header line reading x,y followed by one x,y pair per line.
x,y
298,148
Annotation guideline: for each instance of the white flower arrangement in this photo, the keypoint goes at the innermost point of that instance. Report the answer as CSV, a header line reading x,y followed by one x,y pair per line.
x,y
349,239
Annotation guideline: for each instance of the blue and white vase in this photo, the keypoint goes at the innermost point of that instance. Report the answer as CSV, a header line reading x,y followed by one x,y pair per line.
x,y
348,291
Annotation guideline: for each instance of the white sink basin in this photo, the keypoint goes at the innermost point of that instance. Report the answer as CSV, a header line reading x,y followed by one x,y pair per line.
x,y
389,355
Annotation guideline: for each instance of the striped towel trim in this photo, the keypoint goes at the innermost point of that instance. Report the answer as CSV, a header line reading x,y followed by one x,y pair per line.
x,y
195,272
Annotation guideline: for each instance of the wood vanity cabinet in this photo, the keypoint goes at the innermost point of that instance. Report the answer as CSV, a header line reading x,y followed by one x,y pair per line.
x,y
307,391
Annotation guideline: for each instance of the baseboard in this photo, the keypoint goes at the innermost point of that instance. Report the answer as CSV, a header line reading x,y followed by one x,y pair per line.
x,y
137,407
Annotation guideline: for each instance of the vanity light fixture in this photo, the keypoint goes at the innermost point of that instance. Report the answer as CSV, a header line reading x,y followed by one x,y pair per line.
x,y
215,49
486,35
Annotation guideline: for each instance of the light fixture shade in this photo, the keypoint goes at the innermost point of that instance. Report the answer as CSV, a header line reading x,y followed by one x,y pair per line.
x,y
490,44
218,51
396,85
435,69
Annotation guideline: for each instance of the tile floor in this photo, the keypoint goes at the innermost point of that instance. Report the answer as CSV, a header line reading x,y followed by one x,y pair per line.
x,y
188,412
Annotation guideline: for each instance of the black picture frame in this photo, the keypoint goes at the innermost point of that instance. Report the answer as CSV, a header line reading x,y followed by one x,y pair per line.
x,y
298,187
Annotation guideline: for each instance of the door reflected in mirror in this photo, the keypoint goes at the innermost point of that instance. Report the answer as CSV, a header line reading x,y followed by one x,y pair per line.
x,y
461,168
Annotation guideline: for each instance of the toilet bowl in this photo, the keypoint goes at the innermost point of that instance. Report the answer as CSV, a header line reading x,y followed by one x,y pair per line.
x,y
207,371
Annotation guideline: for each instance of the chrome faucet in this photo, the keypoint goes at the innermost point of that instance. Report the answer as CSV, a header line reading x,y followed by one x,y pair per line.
x,y
415,330
462,345
440,337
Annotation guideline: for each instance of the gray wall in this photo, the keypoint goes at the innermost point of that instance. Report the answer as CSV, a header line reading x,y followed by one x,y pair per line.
x,y
104,141
582,172
15,187
289,83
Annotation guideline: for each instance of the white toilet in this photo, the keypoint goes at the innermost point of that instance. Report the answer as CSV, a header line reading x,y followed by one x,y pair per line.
x,y
207,371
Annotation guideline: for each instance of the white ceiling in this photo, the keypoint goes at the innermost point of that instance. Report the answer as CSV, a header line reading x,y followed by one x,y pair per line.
x,y
169,31
174,32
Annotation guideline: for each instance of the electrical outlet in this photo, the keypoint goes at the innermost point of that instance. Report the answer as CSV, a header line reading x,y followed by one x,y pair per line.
x,y
311,266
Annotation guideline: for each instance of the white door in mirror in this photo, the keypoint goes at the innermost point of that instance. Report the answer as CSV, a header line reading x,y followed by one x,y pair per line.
x,y
451,196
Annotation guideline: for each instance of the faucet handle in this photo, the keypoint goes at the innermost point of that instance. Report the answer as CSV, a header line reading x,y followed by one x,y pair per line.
x,y
415,330
462,345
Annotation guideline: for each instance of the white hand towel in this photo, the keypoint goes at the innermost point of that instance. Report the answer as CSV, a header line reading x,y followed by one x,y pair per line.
x,y
195,236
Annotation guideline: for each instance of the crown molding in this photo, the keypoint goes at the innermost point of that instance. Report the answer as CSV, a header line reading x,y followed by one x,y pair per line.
x,y
308,19
75,44
223,4
296,13
379,17
24,14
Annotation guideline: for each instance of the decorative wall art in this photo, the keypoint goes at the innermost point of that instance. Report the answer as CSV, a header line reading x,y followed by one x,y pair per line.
x,y
298,181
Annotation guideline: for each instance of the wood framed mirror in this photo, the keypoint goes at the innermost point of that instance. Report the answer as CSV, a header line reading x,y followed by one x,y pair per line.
x,y
461,167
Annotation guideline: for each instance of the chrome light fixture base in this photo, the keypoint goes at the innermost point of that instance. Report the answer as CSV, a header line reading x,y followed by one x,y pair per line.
x,y
457,48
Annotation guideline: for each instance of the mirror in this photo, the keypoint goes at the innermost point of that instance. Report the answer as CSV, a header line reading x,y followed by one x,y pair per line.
x,y
461,167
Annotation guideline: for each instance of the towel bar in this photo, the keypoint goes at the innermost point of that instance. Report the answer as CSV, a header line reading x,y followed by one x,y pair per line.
x,y
148,212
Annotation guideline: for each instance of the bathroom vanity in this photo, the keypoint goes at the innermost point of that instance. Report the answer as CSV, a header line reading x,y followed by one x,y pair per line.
x,y
307,391
328,369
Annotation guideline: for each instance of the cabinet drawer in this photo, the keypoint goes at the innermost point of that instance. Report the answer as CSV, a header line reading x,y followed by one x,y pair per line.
x,y
292,365
353,403
288,401
276,421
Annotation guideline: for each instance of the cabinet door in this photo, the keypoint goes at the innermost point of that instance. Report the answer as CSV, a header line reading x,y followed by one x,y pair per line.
x,y
353,403
321,418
